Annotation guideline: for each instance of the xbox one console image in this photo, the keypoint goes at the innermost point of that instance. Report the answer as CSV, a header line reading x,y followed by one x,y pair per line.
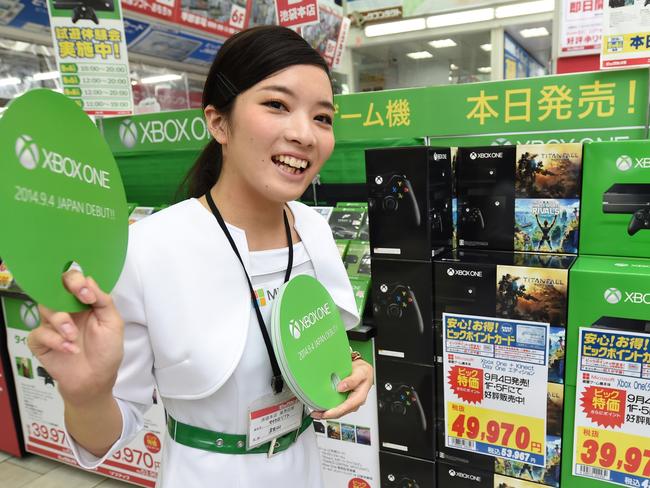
x,y
615,217
402,304
409,201
521,198
405,394
400,471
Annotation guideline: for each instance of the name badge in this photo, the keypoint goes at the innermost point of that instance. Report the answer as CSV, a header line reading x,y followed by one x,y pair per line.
x,y
271,417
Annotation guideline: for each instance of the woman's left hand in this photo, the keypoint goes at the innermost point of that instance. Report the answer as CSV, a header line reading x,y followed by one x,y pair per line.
x,y
358,384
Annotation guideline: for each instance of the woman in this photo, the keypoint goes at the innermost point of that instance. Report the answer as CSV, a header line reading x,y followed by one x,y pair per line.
x,y
180,316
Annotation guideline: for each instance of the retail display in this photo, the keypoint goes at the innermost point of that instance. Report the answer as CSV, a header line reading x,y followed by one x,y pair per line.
x,y
398,471
346,222
357,258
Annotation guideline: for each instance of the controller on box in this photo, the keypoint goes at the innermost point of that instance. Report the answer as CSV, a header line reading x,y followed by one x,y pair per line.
x,y
400,399
473,216
640,220
392,192
401,481
398,301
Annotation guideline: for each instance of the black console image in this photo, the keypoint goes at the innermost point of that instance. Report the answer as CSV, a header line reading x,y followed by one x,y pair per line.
x,y
630,325
401,399
394,193
629,198
85,9
398,302
486,221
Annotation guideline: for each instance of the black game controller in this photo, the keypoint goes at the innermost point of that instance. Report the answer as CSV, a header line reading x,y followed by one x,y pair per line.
x,y
640,220
473,215
400,481
42,372
391,191
350,259
396,300
399,399
84,12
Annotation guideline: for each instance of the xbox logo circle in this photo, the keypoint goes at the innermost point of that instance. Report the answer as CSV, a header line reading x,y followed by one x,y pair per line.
x,y
391,477
294,328
29,314
452,473
379,180
128,133
451,271
388,386
27,152
624,163
501,142
613,295
472,155
383,288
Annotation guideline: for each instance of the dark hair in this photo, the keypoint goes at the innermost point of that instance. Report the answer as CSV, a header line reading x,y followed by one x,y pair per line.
x,y
244,60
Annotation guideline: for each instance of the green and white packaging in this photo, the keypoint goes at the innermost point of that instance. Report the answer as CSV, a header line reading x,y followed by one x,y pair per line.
x,y
357,258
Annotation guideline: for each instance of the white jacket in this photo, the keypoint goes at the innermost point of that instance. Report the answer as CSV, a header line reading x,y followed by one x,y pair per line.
x,y
190,347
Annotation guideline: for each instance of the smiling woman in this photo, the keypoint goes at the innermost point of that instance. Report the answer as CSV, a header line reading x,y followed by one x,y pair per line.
x,y
199,338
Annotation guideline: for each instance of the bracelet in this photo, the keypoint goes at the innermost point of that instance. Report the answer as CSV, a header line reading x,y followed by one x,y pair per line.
x,y
355,355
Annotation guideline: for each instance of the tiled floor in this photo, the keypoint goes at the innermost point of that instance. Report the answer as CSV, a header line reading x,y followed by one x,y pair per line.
x,y
37,472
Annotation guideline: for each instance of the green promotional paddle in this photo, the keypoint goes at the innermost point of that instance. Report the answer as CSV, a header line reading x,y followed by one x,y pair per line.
x,y
61,198
310,342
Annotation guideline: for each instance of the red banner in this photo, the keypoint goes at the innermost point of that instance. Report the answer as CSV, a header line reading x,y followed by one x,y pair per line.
x,y
604,406
467,383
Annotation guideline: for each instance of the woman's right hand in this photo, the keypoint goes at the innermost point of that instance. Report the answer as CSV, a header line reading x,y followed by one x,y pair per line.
x,y
81,351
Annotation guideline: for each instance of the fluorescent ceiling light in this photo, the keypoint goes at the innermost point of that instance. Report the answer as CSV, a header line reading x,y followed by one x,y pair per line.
x,y
453,67
439,43
397,27
159,79
50,75
486,47
457,18
535,32
485,69
525,8
10,81
420,55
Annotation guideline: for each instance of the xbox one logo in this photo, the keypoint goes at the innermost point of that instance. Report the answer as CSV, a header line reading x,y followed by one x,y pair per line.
x,y
379,180
452,473
472,155
613,295
294,328
501,142
624,163
27,152
128,133
383,288
29,314
450,271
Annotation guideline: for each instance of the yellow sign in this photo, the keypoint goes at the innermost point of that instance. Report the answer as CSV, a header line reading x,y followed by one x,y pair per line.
x,y
616,451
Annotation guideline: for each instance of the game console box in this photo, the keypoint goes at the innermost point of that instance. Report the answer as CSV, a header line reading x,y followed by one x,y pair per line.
x,y
346,222
409,201
521,198
357,258
405,400
455,475
616,202
402,310
399,471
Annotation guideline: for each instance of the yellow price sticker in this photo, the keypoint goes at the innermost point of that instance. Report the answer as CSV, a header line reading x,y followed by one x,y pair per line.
x,y
503,429
617,451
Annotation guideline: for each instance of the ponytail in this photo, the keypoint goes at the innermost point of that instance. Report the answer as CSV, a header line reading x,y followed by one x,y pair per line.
x,y
204,173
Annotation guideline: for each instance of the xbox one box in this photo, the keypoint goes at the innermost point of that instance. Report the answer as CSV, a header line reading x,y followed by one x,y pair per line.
x,y
346,222
405,408
409,201
616,203
357,258
398,471
607,407
521,198
402,305
469,476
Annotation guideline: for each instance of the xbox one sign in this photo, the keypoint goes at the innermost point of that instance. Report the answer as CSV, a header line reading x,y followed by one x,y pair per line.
x,y
613,295
163,131
29,315
624,163
27,152
294,328
297,326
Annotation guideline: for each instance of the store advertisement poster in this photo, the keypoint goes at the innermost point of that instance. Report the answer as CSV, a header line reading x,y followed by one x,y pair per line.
x,y
325,36
496,382
161,9
24,14
90,48
220,17
296,13
612,412
581,26
41,409
626,31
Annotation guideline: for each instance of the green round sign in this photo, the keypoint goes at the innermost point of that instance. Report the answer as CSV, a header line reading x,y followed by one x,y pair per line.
x,y
61,198
310,342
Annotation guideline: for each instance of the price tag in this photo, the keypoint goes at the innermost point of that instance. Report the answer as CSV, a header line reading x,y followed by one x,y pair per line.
x,y
612,419
271,417
510,436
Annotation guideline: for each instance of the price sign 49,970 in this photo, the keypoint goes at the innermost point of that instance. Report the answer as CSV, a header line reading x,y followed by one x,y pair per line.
x,y
501,434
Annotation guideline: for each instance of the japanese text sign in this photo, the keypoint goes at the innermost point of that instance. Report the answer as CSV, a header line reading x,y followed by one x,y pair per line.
x,y
295,13
582,27
495,386
626,35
